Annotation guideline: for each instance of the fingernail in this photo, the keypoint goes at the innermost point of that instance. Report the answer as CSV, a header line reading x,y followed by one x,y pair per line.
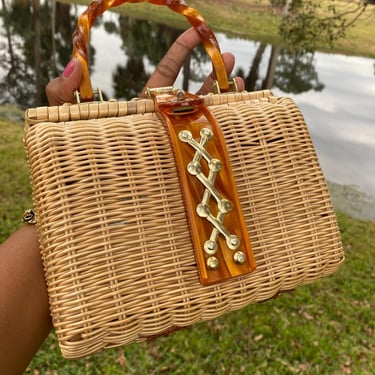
x,y
69,69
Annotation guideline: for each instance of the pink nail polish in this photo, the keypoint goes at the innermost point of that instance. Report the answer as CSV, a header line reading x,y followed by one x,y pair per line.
x,y
68,69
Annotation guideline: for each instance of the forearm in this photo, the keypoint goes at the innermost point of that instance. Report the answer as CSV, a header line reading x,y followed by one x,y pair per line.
x,y
24,315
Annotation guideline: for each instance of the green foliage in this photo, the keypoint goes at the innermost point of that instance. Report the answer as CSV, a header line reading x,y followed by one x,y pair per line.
x,y
18,57
324,328
15,192
295,4
310,24
296,72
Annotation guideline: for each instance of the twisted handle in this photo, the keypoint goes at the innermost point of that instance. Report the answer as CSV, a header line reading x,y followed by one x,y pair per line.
x,y
98,7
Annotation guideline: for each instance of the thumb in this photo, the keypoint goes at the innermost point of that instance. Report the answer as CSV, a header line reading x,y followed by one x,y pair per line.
x,y
61,89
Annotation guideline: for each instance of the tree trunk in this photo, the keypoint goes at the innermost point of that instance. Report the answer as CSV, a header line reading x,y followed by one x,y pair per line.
x,y
268,81
286,8
186,74
37,48
53,42
9,39
253,75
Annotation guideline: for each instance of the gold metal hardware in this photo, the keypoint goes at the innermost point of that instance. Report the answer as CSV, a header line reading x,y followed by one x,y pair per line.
x,y
183,109
219,235
182,103
203,209
212,263
150,92
232,86
29,216
97,92
239,257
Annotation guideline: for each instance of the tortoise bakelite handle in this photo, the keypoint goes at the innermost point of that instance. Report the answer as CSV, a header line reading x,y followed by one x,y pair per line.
x,y
98,7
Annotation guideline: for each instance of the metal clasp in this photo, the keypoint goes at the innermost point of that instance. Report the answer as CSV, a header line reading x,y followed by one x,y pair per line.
x,y
175,100
171,90
232,86
97,92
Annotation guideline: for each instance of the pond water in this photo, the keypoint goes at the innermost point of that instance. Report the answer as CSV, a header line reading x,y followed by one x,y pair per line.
x,y
336,93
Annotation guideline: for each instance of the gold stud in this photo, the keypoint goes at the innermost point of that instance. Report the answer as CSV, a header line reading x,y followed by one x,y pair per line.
x,y
210,247
180,94
233,242
194,168
239,257
203,210
225,206
212,263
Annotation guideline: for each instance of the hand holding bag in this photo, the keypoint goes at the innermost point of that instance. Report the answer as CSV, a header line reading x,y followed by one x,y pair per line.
x,y
159,213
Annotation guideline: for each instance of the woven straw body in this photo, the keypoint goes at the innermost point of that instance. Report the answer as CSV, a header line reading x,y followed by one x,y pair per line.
x,y
114,237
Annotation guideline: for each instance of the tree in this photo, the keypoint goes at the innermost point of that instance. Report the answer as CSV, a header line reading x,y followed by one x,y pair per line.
x,y
295,72
145,43
288,70
307,23
27,56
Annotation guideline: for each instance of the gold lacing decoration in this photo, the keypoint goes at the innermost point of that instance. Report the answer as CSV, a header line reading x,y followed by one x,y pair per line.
x,y
203,209
218,229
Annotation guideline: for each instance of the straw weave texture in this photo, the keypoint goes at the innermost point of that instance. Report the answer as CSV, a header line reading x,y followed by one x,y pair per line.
x,y
114,237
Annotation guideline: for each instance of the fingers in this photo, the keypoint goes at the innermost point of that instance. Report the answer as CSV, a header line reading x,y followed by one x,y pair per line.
x,y
169,67
229,61
61,89
167,70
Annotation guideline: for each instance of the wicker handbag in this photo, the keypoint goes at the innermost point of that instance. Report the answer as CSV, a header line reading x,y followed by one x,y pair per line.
x,y
159,213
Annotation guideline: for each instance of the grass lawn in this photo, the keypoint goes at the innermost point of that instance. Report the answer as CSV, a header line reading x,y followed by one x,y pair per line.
x,y
324,328
256,20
